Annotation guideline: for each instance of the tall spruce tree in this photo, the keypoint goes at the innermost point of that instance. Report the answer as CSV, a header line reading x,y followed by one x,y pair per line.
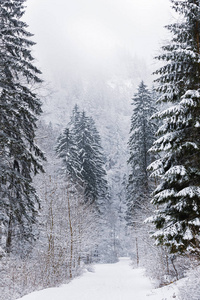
x,y
80,148
68,152
177,197
142,135
19,107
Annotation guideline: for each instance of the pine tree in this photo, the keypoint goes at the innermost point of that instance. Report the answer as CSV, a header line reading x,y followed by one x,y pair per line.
x,y
19,108
177,197
142,134
68,152
99,161
80,148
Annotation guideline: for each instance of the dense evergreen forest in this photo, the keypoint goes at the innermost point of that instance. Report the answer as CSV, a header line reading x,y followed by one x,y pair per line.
x,y
86,190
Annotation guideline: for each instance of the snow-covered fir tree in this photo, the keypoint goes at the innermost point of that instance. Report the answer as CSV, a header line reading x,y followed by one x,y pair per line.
x,y
20,157
67,151
177,197
142,135
80,148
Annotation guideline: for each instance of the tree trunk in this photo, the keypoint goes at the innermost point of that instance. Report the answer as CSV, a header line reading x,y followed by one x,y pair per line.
x,y
137,251
71,238
9,235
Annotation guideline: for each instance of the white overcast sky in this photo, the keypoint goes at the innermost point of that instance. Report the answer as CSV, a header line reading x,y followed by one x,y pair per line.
x,y
86,34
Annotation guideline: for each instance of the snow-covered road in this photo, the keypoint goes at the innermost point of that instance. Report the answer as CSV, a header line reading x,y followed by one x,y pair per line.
x,y
108,282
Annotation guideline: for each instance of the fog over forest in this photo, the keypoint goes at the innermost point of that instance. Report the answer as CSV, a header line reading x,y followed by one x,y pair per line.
x,y
84,45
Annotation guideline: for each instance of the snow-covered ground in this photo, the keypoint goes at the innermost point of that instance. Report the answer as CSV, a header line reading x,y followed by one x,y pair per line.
x,y
108,282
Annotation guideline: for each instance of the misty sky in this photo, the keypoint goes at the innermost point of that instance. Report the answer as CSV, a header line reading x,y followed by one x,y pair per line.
x,y
90,35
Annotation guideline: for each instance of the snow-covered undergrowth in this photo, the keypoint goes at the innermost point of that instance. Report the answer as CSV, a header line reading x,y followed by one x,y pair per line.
x,y
109,282
190,289
19,277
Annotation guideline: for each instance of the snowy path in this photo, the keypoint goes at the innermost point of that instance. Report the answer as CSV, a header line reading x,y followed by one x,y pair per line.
x,y
109,282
